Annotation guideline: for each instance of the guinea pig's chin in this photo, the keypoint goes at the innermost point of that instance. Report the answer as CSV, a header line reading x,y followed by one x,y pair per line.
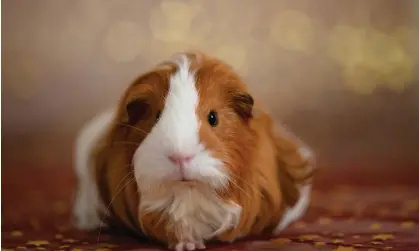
x,y
152,169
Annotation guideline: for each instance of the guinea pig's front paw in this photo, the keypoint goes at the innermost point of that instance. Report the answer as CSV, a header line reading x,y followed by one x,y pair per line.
x,y
187,245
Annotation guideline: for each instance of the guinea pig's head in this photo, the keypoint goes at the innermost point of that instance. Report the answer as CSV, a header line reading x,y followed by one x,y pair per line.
x,y
190,119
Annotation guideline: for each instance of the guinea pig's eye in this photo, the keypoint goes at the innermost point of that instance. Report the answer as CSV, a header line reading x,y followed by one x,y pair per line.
x,y
212,118
158,115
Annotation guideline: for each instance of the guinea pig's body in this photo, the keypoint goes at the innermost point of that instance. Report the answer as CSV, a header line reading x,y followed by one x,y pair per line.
x,y
188,156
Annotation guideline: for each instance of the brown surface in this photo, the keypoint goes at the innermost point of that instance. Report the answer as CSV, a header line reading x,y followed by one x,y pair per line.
x,y
349,211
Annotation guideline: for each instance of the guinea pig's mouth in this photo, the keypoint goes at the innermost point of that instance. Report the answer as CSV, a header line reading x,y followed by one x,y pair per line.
x,y
187,182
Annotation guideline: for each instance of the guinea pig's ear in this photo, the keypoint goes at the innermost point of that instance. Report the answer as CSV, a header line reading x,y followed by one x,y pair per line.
x,y
243,105
141,96
137,109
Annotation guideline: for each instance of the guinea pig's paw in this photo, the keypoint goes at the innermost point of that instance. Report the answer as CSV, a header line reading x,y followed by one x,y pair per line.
x,y
188,246
87,221
85,217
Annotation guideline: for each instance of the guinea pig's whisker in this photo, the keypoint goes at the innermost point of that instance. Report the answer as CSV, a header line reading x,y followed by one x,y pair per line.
x,y
133,127
122,169
240,178
126,176
241,189
110,203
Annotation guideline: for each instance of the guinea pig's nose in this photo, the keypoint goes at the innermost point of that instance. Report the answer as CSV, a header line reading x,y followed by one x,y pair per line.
x,y
179,159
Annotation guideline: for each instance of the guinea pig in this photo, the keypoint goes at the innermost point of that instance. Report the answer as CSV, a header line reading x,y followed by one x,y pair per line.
x,y
189,156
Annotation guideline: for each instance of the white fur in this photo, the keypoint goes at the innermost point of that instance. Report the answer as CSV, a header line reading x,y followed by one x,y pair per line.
x,y
294,213
306,153
87,201
196,211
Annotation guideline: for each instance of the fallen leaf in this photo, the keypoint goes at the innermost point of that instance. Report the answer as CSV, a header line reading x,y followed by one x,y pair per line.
x,y
16,233
407,224
375,226
376,242
343,248
281,241
69,240
383,237
38,243
308,237
324,221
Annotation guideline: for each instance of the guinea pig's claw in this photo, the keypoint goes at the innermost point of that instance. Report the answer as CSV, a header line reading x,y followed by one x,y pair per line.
x,y
188,246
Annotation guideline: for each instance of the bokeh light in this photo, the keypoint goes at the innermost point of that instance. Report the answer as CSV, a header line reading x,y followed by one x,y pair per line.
x,y
369,57
292,30
235,55
172,20
124,41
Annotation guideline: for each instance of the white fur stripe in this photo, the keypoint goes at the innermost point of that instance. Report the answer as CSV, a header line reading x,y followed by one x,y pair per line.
x,y
179,118
294,213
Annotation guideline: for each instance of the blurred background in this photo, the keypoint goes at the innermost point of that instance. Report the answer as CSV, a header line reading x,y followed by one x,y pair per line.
x,y
343,75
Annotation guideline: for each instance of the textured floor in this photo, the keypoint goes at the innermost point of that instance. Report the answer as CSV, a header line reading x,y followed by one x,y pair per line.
x,y
343,217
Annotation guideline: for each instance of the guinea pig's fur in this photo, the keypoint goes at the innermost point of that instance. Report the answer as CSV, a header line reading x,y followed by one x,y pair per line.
x,y
241,174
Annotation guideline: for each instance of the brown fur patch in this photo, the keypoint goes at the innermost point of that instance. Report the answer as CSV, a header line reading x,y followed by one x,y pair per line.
x,y
112,156
265,165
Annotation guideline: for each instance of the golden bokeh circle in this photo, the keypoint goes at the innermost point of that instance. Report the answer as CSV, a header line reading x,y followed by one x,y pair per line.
x,y
233,21
292,30
124,41
369,57
346,45
234,55
409,38
171,21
